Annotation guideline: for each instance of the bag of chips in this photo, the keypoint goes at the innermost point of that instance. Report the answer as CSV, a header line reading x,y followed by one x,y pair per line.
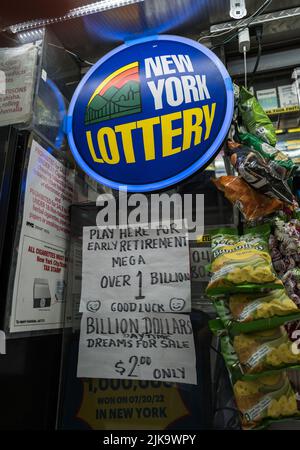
x,y
247,312
254,117
246,307
264,399
247,355
265,350
265,176
251,203
251,356
241,263
269,153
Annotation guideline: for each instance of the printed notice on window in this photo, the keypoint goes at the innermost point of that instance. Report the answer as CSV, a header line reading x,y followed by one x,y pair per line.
x,y
17,69
138,347
136,269
40,277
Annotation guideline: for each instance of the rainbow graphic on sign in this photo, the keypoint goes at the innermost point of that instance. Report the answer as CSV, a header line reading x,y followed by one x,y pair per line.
x,y
116,96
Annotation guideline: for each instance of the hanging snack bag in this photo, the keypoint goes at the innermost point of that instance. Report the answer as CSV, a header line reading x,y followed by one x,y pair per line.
x,y
264,399
248,312
265,176
285,245
269,153
251,203
265,350
288,236
254,117
247,355
291,281
241,263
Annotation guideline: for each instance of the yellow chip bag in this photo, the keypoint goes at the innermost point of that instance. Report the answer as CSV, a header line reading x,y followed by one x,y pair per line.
x,y
247,312
265,350
247,307
241,263
268,397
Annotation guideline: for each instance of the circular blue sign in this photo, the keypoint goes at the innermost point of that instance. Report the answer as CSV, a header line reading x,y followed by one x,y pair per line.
x,y
150,113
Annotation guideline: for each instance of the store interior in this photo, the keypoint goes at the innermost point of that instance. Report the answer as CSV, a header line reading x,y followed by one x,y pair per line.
x,y
39,388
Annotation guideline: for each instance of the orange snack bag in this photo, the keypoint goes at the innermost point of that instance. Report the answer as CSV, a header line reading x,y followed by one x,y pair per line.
x,y
251,203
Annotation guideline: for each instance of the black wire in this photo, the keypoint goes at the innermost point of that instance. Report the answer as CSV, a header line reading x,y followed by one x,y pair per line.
x,y
218,373
257,58
260,10
234,422
259,51
217,351
75,55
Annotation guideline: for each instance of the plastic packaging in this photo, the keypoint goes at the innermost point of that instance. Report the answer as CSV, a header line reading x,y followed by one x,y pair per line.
x,y
285,245
269,153
265,398
241,263
251,203
254,117
265,176
247,312
248,356
265,350
291,281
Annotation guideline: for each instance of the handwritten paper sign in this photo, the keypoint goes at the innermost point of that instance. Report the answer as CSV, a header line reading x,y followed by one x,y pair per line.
x,y
145,347
136,269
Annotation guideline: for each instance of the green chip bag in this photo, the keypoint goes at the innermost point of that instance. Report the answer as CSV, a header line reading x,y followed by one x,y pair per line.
x,y
254,117
248,356
265,350
265,399
246,312
241,263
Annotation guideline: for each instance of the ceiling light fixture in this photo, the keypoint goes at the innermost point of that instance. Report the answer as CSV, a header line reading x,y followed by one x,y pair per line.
x,y
30,36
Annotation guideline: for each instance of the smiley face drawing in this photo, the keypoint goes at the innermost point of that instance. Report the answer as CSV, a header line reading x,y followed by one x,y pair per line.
x,y
93,305
177,304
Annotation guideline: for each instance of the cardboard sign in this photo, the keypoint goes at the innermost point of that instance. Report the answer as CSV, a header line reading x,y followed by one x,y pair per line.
x,y
150,113
200,257
152,347
136,269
